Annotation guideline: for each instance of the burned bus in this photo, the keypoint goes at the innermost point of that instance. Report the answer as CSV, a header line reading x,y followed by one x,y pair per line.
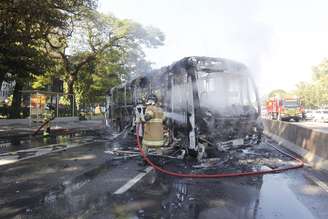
x,y
208,103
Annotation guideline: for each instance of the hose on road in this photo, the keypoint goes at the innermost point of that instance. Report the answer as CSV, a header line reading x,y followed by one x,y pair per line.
x,y
43,124
219,175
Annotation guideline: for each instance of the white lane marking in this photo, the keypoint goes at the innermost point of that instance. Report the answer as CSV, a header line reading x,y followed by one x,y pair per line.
x,y
320,183
133,181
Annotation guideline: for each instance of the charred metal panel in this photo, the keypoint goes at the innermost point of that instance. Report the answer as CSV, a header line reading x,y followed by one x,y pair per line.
x,y
214,98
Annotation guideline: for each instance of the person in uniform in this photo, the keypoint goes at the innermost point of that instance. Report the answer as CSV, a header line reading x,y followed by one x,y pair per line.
x,y
139,118
47,118
153,127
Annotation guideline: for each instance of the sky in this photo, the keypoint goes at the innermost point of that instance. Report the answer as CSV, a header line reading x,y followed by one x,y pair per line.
x,y
279,40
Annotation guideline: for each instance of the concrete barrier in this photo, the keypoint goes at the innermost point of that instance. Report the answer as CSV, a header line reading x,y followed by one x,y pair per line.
x,y
311,144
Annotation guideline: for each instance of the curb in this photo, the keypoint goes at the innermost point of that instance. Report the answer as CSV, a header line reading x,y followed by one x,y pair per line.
x,y
27,133
314,160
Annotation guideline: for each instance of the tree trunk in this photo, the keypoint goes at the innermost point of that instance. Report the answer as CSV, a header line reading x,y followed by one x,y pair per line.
x,y
15,108
2,78
70,90
1,81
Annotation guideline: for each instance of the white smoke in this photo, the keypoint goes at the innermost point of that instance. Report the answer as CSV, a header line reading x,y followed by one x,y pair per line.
x,y
217,28
227,29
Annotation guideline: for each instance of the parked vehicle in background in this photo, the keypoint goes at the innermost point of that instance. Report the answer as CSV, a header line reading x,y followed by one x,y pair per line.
x,y
321,115
285,109
309,114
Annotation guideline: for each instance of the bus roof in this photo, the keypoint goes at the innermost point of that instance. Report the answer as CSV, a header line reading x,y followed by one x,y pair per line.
x,y
200,63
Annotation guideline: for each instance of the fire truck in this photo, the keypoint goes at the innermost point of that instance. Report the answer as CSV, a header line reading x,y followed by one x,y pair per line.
x,y
284,108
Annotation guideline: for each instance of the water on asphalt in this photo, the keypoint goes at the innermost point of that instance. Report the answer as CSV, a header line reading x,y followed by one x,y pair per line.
x,y
91,195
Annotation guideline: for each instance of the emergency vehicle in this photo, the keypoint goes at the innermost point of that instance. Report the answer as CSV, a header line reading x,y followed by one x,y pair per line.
x,y
284,108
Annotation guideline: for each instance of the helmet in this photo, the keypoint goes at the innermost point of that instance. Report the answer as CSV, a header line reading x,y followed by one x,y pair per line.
x,y
151,97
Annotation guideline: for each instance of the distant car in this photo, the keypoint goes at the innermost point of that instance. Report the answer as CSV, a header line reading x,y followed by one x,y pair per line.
x,y
321,115
309,114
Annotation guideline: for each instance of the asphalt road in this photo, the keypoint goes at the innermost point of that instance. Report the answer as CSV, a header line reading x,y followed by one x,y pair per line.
x,y
318,126
85,182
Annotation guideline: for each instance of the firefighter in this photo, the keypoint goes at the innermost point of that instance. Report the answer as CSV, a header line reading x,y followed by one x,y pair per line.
x,y
139,118
153,128
48,116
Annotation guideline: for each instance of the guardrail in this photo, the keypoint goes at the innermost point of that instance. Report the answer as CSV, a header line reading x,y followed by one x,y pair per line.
x,y
311,144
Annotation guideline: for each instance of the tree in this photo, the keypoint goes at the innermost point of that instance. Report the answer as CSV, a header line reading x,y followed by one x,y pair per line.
x,y
96,79
25,26
315,93
101,46
320,71
278,92
306,93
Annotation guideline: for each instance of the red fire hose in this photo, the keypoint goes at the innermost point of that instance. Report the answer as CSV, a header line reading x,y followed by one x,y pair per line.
x,y
219,175
43,124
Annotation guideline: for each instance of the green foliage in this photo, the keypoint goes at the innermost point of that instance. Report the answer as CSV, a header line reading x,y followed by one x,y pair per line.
x,y
25,29
320,71
103,49
278,92
315,93
25,26
90,51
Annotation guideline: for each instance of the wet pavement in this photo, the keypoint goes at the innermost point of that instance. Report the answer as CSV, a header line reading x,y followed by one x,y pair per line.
x,y
317,126
86,182
12,131
11,144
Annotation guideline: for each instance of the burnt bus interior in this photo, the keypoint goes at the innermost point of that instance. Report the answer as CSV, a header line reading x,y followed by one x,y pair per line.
x,y
123,99
207,102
